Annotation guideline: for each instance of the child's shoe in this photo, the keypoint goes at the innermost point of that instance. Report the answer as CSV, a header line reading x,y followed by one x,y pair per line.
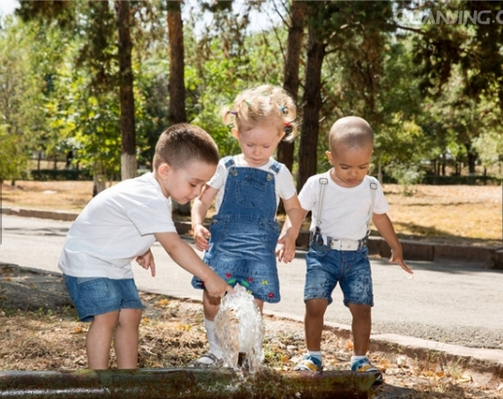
x,y
309,363
363,365
208,360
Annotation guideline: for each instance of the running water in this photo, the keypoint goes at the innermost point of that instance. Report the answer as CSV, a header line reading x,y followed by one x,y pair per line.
x,y
240,330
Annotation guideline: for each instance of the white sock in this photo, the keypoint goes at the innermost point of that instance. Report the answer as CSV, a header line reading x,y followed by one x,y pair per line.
x,y
317,354
354,359
211,333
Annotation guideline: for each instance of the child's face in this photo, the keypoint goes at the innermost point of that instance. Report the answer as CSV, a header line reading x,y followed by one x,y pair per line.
x,y
184,184
258,144
350,164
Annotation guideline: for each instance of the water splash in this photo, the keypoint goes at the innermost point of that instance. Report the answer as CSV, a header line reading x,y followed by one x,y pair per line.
x,y
240,330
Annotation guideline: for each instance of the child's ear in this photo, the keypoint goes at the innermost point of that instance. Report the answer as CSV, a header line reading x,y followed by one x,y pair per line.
x,y
235,133
163,170
329,156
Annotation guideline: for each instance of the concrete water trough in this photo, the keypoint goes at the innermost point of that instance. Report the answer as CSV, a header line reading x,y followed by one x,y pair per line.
x,y
184,383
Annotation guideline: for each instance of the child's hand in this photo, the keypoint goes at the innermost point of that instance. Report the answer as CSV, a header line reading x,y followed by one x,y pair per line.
x,y
217,287
285,249
201,236
280,250
147,262
397,257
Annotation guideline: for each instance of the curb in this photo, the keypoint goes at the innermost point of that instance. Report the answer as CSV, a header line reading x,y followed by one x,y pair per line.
x,y
484,257
482,360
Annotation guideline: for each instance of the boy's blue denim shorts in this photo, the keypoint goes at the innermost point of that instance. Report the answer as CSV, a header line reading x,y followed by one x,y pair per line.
x,y
93,296
327,267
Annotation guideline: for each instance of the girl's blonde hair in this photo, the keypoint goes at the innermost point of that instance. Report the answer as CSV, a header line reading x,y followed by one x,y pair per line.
x,y
260,105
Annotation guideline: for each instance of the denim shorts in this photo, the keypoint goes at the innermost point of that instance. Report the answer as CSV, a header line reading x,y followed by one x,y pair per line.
x,y
327,267
93,296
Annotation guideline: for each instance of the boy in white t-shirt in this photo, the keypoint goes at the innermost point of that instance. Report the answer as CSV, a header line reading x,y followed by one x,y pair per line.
x,y
343,202
119,225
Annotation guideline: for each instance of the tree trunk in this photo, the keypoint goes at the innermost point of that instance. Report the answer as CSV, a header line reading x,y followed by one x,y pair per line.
x,y
99,179
127,119
472,158
311,108
291,71
286,149
176,78
176,64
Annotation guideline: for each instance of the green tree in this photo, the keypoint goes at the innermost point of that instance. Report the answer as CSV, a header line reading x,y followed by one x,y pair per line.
x,y
24,83
356,32
87,121
459,66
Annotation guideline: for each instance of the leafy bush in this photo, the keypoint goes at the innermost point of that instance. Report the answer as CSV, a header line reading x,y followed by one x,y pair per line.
x,y
405,175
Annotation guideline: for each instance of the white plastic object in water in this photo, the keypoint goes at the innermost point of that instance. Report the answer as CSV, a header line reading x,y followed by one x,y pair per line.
x,y
240,330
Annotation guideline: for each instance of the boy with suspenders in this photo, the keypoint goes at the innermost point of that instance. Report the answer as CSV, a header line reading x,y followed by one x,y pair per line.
x,y
344,201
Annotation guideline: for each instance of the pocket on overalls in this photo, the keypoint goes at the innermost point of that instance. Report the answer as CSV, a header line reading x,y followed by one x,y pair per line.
x,y
250,192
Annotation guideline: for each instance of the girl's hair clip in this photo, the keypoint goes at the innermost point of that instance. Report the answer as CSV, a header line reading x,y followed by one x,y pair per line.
x,y
233,113
288,124
283,110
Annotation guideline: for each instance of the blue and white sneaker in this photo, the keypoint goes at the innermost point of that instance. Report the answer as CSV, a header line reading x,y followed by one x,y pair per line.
x,y
309,363
364,365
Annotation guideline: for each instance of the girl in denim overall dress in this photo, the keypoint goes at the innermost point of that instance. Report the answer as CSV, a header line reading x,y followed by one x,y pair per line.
x,y
243,236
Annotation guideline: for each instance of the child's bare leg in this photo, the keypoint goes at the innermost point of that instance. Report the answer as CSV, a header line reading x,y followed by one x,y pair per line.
x,y
99,340
361,327
126,338
313,322
210,306
260,304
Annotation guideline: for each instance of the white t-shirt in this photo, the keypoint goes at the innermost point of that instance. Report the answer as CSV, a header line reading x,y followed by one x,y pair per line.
x,y
116,226
345,212
285,187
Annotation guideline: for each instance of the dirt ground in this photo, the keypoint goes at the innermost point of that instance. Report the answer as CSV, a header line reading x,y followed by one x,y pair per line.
x,y
39,330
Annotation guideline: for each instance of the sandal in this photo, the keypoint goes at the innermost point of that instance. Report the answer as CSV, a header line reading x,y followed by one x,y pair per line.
x,y
309,363
207,360
364,365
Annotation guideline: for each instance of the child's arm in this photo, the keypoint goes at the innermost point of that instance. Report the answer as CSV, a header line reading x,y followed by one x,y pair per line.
x,y
147,261
187,258
199,209
385,228
295,215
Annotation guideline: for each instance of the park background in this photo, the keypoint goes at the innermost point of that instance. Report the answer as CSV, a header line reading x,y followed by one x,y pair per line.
x,y
88,86
427,79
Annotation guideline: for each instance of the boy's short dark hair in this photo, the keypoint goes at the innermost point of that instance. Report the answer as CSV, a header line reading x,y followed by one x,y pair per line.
x,y
183,143
351,131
